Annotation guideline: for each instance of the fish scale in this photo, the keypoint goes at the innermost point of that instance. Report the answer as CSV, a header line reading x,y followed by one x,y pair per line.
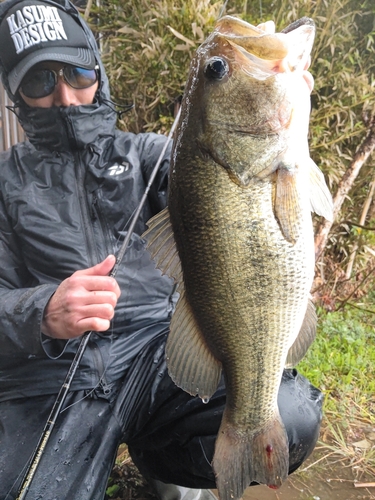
x,y
255,297
237,238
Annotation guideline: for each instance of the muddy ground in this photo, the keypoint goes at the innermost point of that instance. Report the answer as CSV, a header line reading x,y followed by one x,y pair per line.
x,y
323,482
324,476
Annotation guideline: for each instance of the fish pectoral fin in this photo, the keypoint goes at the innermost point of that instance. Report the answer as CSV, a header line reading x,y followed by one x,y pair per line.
x,y
162,245
320,196
287,204
191,365
305,337
243,456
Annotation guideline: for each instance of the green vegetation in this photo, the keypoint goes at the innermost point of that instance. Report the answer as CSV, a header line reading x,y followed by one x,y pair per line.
x,y
147,47
341,361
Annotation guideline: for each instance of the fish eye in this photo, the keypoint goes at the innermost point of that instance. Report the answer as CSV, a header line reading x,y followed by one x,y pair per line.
x,y
216,68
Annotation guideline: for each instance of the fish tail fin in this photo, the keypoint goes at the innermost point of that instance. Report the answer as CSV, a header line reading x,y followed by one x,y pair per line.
x,y
245,457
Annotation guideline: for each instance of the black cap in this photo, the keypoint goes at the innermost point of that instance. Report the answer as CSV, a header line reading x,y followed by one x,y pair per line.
x,y
33,31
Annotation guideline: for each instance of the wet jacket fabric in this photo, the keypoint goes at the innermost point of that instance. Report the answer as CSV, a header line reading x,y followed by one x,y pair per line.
x,y
66,199
170,434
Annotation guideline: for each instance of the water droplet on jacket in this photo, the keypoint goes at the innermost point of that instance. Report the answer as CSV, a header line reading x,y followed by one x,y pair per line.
x,y
58,479
205,399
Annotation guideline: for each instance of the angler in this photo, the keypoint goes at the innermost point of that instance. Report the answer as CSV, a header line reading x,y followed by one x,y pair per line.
x,y
66,198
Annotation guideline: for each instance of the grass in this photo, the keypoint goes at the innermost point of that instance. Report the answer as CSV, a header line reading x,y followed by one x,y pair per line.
x,y
341,362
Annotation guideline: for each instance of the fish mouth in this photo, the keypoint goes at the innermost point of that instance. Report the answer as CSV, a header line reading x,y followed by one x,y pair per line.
x,y
262,52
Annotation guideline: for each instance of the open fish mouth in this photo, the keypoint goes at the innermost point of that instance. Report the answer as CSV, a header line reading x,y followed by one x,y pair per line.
x,y
262,52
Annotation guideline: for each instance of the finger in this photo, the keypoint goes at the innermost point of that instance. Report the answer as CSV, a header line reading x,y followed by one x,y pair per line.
x,y
309,79
104,311
96,299
307,63
92,324
93,283
101,269
101,297
96,318
83,309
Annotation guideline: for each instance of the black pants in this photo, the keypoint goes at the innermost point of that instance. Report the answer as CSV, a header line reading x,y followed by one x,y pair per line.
x,y
170,434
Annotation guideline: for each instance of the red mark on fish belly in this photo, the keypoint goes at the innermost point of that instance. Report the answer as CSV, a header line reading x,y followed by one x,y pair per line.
x,y
273,487
269,450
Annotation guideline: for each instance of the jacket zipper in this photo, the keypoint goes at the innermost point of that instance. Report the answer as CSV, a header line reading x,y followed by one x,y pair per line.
x,y
97,214
85,214
92,251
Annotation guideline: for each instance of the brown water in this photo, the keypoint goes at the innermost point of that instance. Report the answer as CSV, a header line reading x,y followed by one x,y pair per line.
x,y
313,489
319,479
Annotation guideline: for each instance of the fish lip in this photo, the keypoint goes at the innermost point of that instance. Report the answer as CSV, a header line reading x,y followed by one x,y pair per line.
x,y
300,22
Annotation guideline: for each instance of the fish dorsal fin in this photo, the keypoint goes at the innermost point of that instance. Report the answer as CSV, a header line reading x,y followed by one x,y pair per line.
x,y
162,246
287,204
320,197
190,363
305,337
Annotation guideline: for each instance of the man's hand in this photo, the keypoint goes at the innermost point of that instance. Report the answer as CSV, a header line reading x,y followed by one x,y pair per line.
x,y
83,302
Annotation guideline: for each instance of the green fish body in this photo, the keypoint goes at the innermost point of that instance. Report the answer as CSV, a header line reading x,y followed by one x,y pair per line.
x,y
238,238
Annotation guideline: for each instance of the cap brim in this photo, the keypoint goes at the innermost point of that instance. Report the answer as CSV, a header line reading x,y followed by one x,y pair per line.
x,y
82,57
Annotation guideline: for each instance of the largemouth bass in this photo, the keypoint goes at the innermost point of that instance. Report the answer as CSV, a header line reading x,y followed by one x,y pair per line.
x,y
238,237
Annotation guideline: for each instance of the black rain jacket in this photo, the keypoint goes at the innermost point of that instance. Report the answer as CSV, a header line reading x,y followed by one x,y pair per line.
x,y
66,199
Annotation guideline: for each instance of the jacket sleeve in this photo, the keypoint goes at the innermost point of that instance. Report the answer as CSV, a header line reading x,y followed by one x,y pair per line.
x,y
21,304
151,148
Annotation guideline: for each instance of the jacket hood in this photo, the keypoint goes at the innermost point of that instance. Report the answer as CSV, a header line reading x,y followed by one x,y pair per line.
x,y
71,126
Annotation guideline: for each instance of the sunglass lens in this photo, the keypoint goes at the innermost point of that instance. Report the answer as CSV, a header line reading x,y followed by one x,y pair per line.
x,y
80,78
38,84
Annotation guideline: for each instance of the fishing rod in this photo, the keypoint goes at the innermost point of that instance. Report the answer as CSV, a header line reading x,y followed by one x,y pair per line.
x,y
61,397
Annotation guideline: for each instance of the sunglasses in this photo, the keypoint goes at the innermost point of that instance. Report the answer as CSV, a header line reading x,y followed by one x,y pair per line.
x,y
42,82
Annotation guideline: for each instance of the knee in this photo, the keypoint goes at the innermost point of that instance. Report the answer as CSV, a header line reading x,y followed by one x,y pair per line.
x,y
300,405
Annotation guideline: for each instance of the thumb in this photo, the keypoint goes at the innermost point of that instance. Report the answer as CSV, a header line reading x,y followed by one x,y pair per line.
x,y
101,269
